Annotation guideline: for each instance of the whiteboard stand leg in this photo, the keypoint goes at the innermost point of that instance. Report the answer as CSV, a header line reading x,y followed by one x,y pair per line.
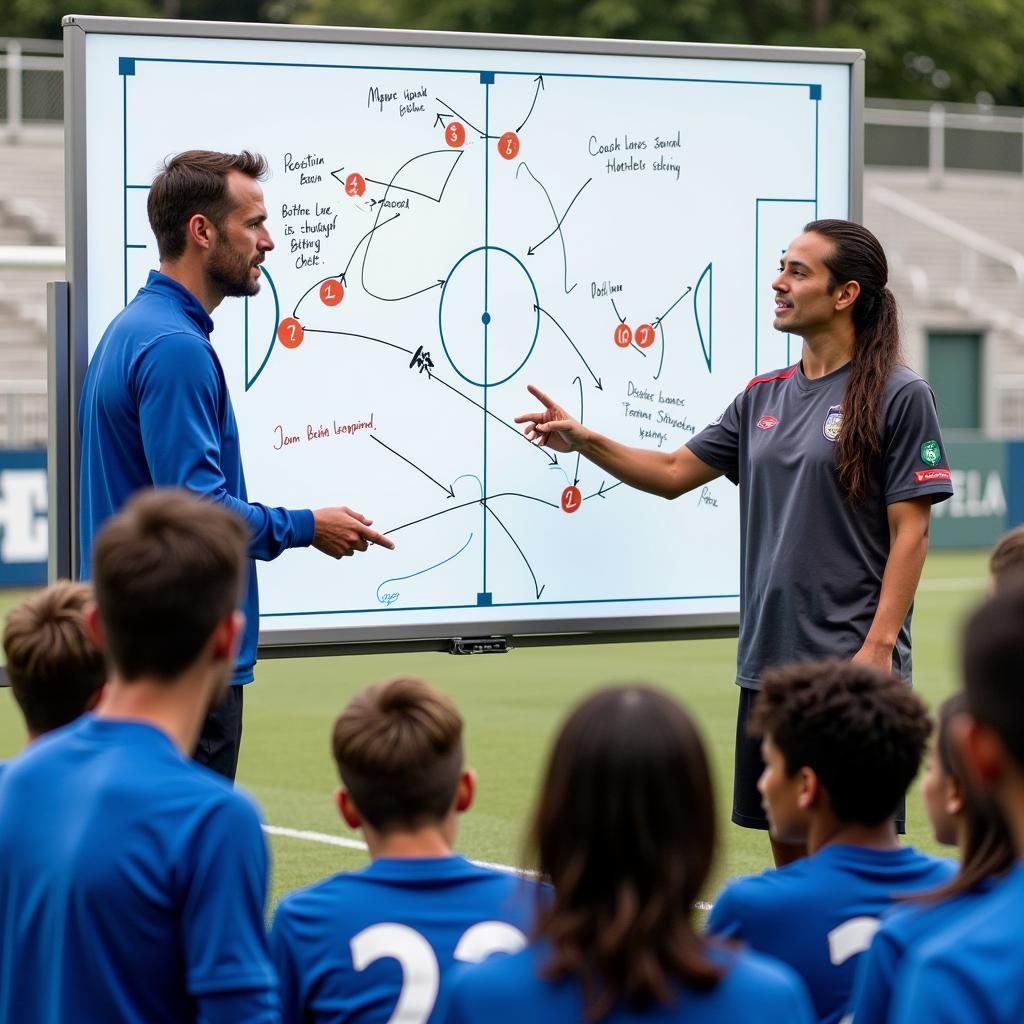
x,y
60,420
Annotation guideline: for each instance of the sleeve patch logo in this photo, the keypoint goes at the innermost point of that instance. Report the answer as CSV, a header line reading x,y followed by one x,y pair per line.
x,y
926,476
931,453
833,423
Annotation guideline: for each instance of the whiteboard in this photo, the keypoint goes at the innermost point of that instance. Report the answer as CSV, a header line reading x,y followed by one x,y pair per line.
x,y
456,217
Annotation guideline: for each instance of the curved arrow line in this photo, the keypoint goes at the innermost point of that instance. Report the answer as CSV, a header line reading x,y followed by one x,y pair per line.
x,y
464,120
700,333
537,590
466,504
661,361
470,476
341,276
563,472
447,490
533,248
273,340
398,579
597,380
554,213
540,85
365,337
602,491
380,208
551,457
578,380
622,319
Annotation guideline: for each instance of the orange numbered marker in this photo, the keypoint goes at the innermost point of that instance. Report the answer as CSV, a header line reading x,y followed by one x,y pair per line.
x,y
455,134
644,336
331,293
508,145
355,184
571,499
623,336
290,333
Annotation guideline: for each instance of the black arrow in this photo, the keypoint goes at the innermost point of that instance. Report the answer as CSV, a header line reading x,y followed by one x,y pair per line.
x,y
342,276
661,361
464,120
597,380
399,298
365,337
439,120
622,319
540,85
466,504
537,590
602,490
576,476
551,457
561,237
447,490
673,306
534,248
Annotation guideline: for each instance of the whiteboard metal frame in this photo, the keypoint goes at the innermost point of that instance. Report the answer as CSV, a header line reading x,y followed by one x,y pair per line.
x,y
68,379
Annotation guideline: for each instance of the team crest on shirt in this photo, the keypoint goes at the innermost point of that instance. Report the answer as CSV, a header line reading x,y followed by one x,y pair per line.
x,y
833,423
931,453
767,422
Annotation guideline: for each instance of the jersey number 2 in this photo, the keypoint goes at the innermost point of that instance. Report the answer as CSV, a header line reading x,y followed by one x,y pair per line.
x,y
421,975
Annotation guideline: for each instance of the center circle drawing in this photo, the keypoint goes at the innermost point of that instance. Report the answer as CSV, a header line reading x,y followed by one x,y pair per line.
x,y
488,316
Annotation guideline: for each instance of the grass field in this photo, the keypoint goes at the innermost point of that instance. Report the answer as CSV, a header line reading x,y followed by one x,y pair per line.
x,y
513,704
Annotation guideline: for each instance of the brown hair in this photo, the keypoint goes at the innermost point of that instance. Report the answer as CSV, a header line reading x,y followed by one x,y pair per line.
x,y
54,667
988,846
398,747
167,569
625,831
856,255
1006,564
862,731
195,182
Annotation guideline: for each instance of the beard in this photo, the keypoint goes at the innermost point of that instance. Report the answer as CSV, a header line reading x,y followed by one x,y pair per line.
x,y
230,271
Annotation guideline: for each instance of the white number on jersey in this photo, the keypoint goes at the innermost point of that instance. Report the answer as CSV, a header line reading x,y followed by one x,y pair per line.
x,y
421,974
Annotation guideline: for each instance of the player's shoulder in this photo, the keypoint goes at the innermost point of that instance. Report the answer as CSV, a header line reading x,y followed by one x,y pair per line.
x,y
750,976
774,887
903,381
775,378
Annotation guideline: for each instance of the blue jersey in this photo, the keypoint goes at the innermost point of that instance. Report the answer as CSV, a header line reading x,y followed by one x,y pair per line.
x,y
510,990
156,412
969,973
901,930
132,885
377,945
820,913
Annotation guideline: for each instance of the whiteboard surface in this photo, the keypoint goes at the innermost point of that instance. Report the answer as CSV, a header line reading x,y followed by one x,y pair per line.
x,y
645,190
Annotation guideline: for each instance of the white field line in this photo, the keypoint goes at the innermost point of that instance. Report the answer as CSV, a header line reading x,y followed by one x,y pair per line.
x,y
355,844
967,583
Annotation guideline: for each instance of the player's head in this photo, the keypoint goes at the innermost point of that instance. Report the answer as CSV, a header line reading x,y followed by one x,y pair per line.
x,y
1006,563
625,831
833,278
838,739
959,811
209,206
55,668
168,572
993,669
398,747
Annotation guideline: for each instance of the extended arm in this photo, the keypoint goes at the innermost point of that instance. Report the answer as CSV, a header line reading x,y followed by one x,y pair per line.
x,y
908,546
667,474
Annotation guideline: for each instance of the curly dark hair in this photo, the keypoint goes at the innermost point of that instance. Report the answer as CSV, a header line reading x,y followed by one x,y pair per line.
x,y
862,731
625,830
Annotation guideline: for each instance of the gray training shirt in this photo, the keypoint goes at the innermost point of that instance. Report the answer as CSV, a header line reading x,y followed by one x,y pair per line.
x,y
810,564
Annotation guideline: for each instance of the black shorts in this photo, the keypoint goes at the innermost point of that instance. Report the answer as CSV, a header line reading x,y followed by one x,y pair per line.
x,y
746,800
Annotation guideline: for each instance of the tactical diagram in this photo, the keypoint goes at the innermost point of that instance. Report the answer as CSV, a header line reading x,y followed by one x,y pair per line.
x,y
446,235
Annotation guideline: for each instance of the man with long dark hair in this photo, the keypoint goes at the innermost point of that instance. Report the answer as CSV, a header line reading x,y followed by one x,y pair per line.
x,y
838,460
156,410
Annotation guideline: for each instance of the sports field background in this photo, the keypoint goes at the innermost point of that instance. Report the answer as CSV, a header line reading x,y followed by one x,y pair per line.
x,y
513,704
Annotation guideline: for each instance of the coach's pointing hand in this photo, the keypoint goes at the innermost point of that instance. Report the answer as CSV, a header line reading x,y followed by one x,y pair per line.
x,y
340,532
553,427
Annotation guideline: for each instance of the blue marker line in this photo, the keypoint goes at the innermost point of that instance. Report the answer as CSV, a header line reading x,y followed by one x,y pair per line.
x,y
398,579
124,175
486,314
273,338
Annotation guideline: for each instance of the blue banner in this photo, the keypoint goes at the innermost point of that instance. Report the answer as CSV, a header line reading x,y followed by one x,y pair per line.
x,y
24,537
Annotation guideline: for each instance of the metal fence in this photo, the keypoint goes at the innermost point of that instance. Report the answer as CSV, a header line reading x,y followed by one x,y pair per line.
x,y
31,85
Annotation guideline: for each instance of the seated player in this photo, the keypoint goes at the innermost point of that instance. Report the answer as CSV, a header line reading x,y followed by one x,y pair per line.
x,y
1006,563
841,742
960,815
379,944
54,666
133,882
625,831
972,971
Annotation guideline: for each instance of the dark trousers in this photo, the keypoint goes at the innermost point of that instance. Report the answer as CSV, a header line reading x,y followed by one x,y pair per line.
x,y
221,738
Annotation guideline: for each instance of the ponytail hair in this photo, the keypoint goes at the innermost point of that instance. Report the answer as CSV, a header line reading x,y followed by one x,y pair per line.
x,y
857,255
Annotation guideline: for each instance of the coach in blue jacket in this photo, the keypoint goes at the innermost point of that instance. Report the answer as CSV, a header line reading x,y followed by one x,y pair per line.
x,y
155,406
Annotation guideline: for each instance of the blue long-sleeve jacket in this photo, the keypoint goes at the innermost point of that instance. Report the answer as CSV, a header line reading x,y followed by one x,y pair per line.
x,y
156,412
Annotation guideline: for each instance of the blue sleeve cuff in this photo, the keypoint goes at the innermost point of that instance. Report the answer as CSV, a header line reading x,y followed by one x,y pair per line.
x,y
304,527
